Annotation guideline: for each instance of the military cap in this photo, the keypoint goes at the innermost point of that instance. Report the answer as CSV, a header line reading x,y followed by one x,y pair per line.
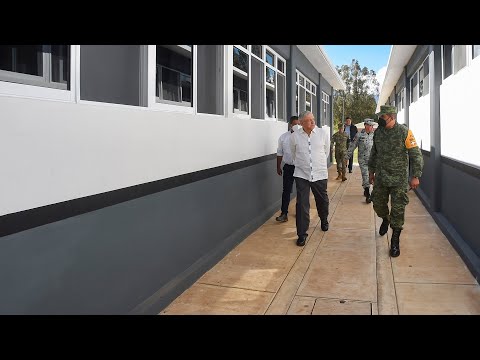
x,y
387,109
368,122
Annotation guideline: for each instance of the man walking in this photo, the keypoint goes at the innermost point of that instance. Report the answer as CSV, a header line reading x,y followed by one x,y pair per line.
x,y
284,155
351,130
364,141
310,149
340,140
393,146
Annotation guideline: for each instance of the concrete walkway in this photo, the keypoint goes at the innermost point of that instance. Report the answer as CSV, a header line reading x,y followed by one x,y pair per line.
x,y
346,270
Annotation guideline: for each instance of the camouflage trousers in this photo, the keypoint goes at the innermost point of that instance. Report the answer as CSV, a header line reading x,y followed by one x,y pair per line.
x,y
364,169
399,199
339,155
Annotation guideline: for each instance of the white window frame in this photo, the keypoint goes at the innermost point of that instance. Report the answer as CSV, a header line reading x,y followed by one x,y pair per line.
x,y
276,56
152,102
325,100
231,70
46,93
312,90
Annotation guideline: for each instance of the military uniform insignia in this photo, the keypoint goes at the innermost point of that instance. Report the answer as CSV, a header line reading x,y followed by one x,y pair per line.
x,y
410,141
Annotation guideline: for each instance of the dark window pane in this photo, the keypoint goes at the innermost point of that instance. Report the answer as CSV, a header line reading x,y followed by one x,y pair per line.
x,y
270,103
174,64
476,50
447,61
25,59
240,60
280,65
170,85
257,50
240,93
60,63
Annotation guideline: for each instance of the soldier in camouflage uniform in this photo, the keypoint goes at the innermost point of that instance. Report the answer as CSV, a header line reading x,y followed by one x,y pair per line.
x,y
393,146
364,141
340,139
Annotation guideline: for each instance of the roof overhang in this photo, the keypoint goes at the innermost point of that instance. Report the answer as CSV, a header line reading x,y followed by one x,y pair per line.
x,y
399,57
317,56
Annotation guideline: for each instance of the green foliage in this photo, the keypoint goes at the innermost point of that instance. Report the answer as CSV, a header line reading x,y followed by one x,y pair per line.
x,y
359,100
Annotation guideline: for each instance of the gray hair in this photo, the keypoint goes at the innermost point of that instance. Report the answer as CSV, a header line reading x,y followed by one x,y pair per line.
x,y
303,114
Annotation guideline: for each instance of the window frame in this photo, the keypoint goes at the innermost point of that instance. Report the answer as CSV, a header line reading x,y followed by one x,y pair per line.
x,y
313,90
36,88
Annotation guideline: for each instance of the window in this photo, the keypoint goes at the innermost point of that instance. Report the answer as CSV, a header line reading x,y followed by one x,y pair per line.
x,y
459,57
40,65
454,59
401,100
174,69
257,50
240,80
447,60
326,104
274,86
305,95
424,79
414,88
257,76
475,51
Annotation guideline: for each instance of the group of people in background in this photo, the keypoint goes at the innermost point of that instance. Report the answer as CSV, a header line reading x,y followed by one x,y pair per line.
x,y
384,156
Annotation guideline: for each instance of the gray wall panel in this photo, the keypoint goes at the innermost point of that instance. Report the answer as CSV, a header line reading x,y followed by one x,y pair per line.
x,y
111,260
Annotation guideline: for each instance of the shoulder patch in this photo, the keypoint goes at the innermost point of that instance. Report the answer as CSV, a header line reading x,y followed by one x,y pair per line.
x,y
410,141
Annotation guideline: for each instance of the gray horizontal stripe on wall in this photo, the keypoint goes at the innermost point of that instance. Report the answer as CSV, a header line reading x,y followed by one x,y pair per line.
x,y
24,220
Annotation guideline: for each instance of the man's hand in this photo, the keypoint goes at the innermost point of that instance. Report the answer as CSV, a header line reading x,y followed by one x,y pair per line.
x,y
371,178
279,171
414,183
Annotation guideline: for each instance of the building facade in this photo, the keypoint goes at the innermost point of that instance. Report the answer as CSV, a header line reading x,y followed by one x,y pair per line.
x,y
435,89
129,170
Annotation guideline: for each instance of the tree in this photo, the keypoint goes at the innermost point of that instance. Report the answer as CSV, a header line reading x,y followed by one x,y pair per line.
x,y
359,99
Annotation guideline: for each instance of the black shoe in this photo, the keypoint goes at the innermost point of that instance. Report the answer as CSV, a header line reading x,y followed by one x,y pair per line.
x,y
395,243
282,218
384,227
324,225
366,193
301,240
350,171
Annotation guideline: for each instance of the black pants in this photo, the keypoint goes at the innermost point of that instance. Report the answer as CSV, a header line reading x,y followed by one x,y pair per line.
x,y
287,186
319,189
350,163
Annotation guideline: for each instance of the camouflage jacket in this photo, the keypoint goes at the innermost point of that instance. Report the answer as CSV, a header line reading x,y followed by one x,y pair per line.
x,y
390,154
364,141
340,140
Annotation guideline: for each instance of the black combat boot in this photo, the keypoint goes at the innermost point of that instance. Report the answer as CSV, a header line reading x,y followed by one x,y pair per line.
x,y
366,193
395,243
384,227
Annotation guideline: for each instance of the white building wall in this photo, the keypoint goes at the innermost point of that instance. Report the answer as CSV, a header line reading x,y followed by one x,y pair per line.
x,y
459,96
419,121
57,151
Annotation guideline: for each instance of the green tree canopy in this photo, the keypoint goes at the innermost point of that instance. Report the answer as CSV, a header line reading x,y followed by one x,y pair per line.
x,y
359,100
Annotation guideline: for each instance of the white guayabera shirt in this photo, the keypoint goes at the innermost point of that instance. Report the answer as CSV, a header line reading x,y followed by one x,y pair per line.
x,y
310,154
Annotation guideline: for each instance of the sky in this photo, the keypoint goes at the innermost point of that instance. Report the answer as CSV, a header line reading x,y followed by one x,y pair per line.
x,y
374,57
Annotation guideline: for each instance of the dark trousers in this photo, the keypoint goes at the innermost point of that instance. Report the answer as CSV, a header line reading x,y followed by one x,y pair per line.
x,y
287,186
319,189
350,163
